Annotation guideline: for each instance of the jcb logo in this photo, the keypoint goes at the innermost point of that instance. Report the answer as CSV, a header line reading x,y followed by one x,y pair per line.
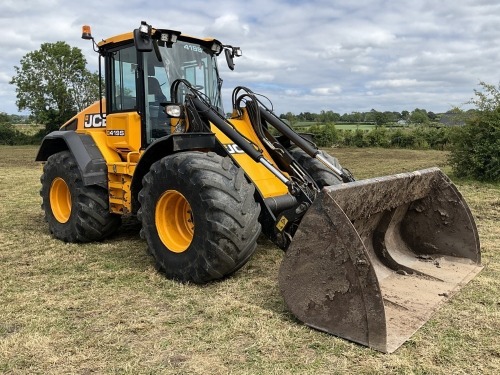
x,y
94,121
234,149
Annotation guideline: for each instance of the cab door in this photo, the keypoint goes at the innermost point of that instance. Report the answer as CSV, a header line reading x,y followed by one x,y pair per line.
x,y
123,128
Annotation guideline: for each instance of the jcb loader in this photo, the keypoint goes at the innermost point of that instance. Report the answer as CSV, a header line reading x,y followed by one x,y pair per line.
x,y
366,260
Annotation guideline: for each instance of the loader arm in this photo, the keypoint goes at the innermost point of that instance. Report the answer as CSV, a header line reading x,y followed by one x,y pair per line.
x,y
282,213
301,189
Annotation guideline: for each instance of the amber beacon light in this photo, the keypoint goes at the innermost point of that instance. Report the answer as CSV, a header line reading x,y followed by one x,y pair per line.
x,y
86,32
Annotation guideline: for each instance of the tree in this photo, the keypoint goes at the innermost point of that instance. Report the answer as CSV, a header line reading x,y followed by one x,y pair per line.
x,y
489,100
380,118
396,116
419,116
4,118
53,83
328,117
431,115
370,116
475,149
291,118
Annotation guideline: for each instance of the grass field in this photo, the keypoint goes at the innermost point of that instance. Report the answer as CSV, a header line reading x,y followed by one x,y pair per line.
x,y
29,129
345,126
102,308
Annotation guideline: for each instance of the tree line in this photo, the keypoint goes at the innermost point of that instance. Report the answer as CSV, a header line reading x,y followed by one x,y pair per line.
x,y
13,119
418,116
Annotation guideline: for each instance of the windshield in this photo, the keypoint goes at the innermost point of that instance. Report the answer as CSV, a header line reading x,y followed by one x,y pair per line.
x,y
183,60
187,61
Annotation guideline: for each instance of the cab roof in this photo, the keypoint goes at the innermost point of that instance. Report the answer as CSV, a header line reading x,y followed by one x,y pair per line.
x,y
129,36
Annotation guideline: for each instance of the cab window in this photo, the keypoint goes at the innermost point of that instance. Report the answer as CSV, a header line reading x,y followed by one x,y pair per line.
x,y
123,75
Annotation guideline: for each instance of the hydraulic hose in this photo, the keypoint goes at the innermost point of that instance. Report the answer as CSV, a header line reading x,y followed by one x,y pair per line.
x,y
236,137
311,150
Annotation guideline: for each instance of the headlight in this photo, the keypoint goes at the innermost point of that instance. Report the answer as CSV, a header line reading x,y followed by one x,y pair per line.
x,y
237,52
144,29
174,110
216,47
169,36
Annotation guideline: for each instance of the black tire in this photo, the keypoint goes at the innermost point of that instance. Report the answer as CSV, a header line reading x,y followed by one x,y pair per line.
x,y
74,212
215,230
316,169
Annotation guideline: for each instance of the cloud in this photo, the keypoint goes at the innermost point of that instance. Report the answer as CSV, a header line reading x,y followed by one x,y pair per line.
x,y
4,77
293,92
326,90
305,56
228,24
392,83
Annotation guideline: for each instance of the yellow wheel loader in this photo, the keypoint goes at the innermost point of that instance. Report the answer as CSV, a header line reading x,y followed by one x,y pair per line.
x,y
366,260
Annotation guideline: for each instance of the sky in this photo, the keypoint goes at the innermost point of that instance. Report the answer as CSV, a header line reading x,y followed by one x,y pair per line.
x,y
305,56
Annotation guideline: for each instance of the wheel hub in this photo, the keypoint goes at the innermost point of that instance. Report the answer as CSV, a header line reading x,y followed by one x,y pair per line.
x,y
60,200
174,221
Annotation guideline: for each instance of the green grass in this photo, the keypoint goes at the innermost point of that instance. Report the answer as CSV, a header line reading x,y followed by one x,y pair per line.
x,y
29,129
354,126
102,307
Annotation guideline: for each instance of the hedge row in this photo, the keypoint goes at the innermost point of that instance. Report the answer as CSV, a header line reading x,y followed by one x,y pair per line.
x,y
475,151
9,135
325,136
475,147
420,137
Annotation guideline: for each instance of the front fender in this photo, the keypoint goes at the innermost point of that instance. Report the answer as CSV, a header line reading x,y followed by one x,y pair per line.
x,y
166,146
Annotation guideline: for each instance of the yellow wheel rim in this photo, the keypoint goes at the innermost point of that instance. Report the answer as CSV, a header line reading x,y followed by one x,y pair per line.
x,y
60,200
174,221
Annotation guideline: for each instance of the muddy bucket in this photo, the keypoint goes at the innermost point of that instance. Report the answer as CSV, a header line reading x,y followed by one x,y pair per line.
x,y
373,259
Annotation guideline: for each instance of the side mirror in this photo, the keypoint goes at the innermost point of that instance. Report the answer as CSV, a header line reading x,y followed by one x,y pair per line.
x,y
142,38
229,58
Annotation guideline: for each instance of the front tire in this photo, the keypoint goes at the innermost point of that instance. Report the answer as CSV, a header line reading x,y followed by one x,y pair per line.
x,y
322,175
199,216
74,212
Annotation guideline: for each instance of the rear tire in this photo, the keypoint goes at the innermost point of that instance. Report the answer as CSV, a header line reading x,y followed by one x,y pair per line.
x,y
322,175
74,212
199,216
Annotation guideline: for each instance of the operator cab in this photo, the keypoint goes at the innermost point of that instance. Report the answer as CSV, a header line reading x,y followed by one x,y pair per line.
x,y
159,67
140,67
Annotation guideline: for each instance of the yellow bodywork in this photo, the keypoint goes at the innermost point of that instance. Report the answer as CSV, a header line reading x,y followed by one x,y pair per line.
x,y
118,138
264,180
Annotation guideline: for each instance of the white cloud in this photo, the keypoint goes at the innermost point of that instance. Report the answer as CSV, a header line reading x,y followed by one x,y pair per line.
x,y
293,92
360,69
342,55
228,25
326,90
392,83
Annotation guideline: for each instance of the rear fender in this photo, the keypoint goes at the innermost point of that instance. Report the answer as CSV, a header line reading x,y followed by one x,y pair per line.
x,y
89,159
